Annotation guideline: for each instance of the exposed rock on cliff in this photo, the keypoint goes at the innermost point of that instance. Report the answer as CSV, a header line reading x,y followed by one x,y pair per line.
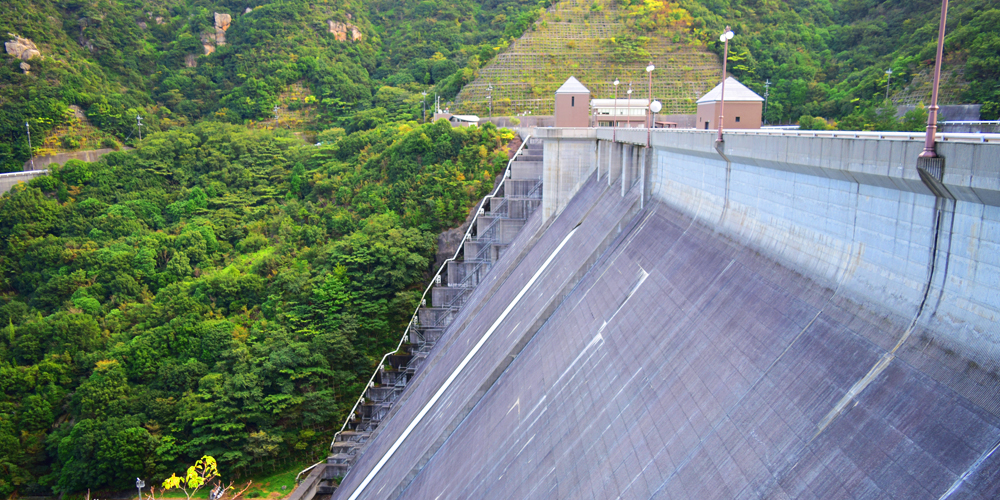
x,y
341,30
217,39
22,48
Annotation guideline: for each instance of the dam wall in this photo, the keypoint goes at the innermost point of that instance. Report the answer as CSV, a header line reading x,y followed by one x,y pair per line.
x,y
678,325
851,212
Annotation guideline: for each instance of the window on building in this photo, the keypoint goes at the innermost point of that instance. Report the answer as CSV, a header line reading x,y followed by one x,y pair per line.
x,y
737,119
706,125
572,101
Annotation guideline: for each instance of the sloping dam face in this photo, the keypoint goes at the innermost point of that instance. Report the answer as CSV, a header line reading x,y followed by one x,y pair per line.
x,y
626,348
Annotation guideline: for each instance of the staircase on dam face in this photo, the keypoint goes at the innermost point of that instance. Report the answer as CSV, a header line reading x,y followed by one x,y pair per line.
x,y
494,227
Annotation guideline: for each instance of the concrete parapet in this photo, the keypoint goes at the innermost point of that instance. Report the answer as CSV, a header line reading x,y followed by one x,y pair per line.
x,y
10,179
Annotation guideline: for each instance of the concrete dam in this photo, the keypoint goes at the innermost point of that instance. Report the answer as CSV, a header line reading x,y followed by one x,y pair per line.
x,y
778,316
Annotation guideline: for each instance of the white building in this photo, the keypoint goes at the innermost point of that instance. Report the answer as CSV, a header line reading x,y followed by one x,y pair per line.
x,y
619,112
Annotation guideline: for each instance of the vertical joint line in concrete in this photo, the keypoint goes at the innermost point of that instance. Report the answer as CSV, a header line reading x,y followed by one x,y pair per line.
x,y
729,168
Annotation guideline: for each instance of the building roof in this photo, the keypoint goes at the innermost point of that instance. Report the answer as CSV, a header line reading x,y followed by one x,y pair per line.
x,y
573,86
735,91
465,118
622,103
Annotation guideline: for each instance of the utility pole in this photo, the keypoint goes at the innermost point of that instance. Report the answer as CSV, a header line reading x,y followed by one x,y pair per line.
x,y
614,118
31,153
489,99
138,122
424,103
767,92
649,106
276,109
888,77
726,37
628,123
930,148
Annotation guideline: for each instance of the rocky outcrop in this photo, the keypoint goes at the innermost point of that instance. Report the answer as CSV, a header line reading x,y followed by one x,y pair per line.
x,y
345,31
218,38
25,67
22,48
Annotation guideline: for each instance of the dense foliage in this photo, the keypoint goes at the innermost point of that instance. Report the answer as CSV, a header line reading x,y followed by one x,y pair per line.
x,y
119,59
828,58
219,291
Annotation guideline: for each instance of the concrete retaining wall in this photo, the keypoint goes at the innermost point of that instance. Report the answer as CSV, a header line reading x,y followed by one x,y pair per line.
x,y
8,180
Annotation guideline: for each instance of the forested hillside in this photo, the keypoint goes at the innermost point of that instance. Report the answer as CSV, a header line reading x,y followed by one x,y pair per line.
x,y
116,59
225,287
218,291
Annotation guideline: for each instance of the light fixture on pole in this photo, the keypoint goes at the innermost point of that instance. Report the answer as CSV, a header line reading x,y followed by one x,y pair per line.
x,y
654,107
725,38
424,103
628,121
614,115
649,109
140,484
31,154
767,92
888,78
489,99
930,149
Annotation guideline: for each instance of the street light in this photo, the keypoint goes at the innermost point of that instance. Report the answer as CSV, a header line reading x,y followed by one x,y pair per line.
x,y
614,115
628,122
725,38
649,117
140,484
654,107
888,78
930,149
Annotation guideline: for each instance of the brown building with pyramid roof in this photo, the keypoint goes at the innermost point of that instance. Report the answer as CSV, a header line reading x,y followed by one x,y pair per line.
x,y
573,104
742,110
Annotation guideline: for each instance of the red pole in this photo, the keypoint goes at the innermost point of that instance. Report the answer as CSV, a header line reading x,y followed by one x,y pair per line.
x,y
930,148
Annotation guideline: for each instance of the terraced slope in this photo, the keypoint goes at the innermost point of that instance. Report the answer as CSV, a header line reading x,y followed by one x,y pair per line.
x,y
592,41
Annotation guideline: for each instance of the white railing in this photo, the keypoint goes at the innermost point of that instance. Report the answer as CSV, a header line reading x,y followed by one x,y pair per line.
x,y
413,319
32,173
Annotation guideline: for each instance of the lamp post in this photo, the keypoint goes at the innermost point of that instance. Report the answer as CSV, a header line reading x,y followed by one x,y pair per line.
x,y
424,102
888,78
930,148
725,38
489,99
31,153
628,122
649,107
139,483
767,92
614,114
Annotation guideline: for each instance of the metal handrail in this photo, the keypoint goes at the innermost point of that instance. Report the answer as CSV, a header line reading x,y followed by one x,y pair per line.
x,y
427,290
832,134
